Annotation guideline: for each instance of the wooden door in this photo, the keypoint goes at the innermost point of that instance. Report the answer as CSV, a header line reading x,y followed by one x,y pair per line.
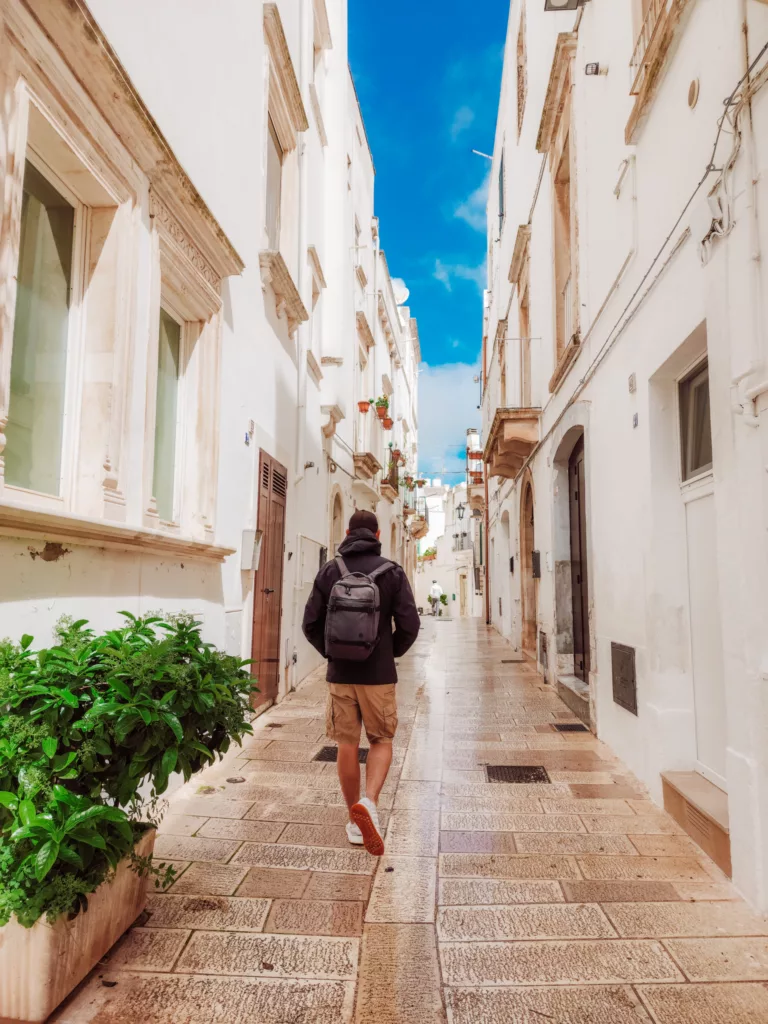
x,y
529,581
579,580
268,585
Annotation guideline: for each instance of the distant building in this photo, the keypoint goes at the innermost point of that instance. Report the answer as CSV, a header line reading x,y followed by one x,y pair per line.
x,y
625,406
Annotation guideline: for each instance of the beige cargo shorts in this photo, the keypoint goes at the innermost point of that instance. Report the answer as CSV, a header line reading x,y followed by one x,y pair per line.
x,y
350,706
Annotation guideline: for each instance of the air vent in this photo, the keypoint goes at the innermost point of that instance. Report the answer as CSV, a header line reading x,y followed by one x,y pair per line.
x,y
279,483
570,727
697,821
516,773
624,677
330,754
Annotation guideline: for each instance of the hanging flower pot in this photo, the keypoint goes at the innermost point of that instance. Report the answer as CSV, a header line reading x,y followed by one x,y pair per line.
x,y
363,406
382,407
421,482
387,423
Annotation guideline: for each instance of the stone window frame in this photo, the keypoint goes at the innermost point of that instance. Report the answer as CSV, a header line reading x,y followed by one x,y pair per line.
x,y
556,133
95,115
522,67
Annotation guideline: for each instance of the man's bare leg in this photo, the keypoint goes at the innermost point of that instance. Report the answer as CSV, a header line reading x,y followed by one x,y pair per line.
x,y
377,768
348,767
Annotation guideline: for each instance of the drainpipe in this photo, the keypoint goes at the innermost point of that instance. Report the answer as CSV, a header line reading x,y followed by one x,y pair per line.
x,y
487,552
303,275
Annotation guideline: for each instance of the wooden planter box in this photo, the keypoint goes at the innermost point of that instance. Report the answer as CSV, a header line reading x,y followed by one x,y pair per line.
x,y
41,965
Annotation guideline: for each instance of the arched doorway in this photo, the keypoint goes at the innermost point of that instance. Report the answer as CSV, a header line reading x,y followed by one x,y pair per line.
x,y
337,523
529,584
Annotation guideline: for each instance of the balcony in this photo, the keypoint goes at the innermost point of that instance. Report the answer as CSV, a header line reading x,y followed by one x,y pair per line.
x,y
419,524
476,493
513,435
390,484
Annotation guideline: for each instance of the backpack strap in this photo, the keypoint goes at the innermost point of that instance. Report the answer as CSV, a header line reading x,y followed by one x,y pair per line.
x,y
384,567
341,566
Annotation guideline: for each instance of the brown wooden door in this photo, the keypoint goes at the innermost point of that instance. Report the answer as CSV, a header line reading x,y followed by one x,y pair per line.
x,y
579,580
268,587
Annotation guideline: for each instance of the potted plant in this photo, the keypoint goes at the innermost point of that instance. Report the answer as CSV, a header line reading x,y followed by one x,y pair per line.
x,y
365,405
396,455
387,423
382,407
421,482
83,726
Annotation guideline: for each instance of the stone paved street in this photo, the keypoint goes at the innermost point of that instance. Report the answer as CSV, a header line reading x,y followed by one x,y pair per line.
x,y
575,901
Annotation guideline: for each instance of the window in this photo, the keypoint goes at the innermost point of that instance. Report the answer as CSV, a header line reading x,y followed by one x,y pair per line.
x,y
525,350
564,296
167,417
695,425
36,415
275,157
522,72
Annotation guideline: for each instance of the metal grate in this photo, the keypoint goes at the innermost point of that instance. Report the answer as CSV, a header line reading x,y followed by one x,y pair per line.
x,y
571,727
624,677
518,773
330,754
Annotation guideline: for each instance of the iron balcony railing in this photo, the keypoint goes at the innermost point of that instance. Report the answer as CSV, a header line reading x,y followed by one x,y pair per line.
x,y
421,509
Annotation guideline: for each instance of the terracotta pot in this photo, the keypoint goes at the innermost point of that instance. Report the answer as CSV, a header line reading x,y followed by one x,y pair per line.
x,y
387,423
396,453
382,411
41,965
363,406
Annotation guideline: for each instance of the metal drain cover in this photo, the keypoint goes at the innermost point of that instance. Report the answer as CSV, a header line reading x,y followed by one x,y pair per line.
x,y
519,773
331,754
571,727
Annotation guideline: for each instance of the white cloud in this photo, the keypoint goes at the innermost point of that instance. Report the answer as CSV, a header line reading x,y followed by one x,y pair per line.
x,y
446,273
462,119
448,400
472,210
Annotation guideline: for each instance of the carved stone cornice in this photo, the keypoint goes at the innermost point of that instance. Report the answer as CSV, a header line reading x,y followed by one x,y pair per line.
x,y
366,465
520,254
415,338
275,273
166,222
286,106
361,275
323,24
317,268
314,367
332,360
364,329
554,102
335,414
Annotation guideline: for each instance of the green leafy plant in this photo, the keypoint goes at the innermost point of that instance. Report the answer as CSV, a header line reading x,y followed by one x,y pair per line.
x,y
83,726
382,402
444,599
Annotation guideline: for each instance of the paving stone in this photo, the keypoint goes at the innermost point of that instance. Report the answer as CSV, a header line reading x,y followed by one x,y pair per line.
x,y
707,1004
274,883
213,806
209,880
326,886
283,750
613,791
315,917
582,778
305,858
649,920
486,821
239,828
665,846
614,807
418,795
477,842
252,955
176,999
461,777
300,813
457,797
735,959
582,1005
413,833
620,892
399,977
668,869
148,949
192,848
657,824
556,842
215,913
538,921
706,891
334,836
467,865
556,963
490,892
404,894
181,824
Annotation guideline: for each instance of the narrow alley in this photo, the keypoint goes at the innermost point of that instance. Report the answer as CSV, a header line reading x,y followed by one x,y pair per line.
x,y
569,900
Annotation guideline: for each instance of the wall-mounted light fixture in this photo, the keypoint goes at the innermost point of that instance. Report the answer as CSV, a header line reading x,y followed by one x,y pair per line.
x,y
563,5
595,68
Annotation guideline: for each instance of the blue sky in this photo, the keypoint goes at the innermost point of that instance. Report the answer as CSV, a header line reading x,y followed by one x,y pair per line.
x,y
428,74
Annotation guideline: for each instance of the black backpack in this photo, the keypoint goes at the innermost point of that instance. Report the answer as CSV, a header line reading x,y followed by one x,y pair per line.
x,y
352,620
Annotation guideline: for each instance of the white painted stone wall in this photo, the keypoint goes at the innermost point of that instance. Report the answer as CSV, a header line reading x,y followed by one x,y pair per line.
x,y
647,309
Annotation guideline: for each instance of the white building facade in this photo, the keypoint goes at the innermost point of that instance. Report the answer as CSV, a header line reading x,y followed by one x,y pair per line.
x,y
194,300
625,409
451,553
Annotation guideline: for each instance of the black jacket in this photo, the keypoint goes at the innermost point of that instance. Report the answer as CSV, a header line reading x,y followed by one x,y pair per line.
x,y
361,552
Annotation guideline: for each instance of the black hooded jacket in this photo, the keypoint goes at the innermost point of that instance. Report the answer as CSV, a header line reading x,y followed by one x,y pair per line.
x,y
361,551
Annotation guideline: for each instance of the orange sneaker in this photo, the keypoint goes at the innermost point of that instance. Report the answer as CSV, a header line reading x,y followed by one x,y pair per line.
x,y
366,817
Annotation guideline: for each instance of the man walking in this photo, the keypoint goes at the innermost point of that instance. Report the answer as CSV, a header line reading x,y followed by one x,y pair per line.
x,y
362,686
435,593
